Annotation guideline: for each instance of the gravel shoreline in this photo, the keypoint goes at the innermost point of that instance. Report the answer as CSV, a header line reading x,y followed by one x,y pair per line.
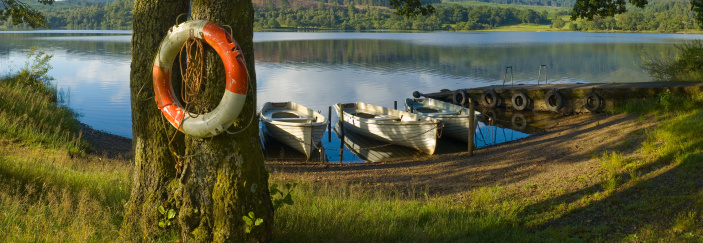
x,y
107,144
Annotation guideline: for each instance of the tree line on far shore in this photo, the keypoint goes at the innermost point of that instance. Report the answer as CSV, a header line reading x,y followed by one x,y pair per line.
x,y
359,15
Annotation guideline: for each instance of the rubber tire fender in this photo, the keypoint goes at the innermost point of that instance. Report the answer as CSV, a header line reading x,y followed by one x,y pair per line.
x,y
525,100
558,100
484,100
597,102
460,97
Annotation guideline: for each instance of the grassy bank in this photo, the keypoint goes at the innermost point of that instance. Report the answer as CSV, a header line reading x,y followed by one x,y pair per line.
x,y
50,189
646,187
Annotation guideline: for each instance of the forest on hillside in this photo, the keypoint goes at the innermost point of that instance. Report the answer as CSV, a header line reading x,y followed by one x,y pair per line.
x,y
357,15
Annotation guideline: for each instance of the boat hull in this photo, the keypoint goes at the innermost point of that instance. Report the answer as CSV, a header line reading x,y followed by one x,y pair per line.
x,y
391,126
299,127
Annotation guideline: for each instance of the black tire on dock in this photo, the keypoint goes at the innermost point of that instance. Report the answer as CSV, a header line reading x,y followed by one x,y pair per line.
x,y
520,101
417,94
519,121
460,97
554,100
489,98
593,102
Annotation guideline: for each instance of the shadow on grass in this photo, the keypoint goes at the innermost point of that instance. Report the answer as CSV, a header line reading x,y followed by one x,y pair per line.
x,y
661,199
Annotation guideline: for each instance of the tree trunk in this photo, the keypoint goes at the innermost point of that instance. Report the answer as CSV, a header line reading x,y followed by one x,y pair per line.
x,y
154,164
223,178
229,168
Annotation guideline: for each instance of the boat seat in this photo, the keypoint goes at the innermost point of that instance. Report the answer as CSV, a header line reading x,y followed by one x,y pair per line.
x,y
441,113
294,119
384,118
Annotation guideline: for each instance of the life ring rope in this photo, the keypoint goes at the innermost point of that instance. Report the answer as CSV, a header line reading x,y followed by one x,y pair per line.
x,y
236,81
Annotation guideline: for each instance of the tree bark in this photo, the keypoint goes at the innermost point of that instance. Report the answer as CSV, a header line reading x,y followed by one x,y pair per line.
x,y
154,164
228,167
223,178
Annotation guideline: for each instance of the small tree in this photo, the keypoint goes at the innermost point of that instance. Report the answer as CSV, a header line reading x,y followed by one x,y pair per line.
x,y
558,23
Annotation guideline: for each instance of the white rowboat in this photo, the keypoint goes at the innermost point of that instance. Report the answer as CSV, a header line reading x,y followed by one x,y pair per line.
x,y
455,118
294,125
390,126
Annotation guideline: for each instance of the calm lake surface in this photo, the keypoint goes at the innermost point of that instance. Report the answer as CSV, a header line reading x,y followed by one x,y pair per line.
x,y
322,68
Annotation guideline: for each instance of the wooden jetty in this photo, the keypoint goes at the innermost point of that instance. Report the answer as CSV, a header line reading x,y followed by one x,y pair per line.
x,y
562,98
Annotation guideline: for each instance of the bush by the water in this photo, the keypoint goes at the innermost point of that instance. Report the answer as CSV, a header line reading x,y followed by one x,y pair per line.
x,y
686,65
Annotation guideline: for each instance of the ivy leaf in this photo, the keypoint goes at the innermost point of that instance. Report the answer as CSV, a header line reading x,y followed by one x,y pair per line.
x,y
247,220
258,222
171,213
251,215
162,224
161,209
288,200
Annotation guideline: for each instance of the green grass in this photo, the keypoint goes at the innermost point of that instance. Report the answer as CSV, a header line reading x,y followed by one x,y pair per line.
x,y
354,213
45,196
29,114
524,27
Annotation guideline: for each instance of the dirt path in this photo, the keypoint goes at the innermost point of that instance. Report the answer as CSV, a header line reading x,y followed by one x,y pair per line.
x,y
566,152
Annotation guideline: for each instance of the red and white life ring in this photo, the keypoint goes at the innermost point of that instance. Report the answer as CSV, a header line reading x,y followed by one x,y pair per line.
x,y
219,119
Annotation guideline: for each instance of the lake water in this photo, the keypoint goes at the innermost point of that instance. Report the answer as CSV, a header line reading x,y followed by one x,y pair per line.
x,y
318,69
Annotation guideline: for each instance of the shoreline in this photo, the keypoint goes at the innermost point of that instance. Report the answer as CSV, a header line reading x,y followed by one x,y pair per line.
x,y
563,151
107,144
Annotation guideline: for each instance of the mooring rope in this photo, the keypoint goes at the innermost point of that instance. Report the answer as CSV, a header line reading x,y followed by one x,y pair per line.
x,y
193,75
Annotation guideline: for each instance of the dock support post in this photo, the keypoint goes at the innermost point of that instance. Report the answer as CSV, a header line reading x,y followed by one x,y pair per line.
x,y
341,131
395,104
472,128
329,124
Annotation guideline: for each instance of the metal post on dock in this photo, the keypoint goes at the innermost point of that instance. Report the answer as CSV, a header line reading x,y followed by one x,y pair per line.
x,y
472,128
395,104
341,131
329,124
540,74
505,76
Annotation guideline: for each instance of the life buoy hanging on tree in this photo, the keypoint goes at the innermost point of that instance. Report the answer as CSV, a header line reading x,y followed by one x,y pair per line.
x,y
223,116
